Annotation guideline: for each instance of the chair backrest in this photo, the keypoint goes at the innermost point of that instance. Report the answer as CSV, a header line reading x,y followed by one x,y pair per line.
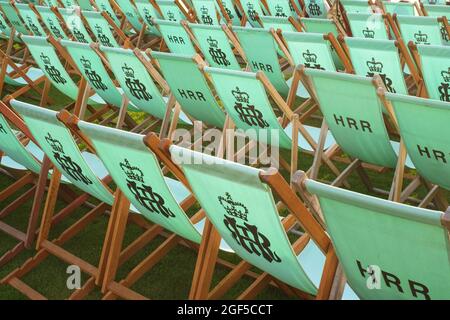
x,y
13,17
191,91
399,8
356,6
131,13
243,210
101,28
403,248
281,9
206,11
50,3
354,114
69,3
148,13
229,8
170,10
420,30
252,40
370,57
5,29
253,10
245,98
48,61
437,10
52,23
215,46
91,67
30,19
135,81
316,8
175,37
60,147
310,50
12,147
85,5
277,23
75,24
105,5
423,127
137,173
368,25
436,71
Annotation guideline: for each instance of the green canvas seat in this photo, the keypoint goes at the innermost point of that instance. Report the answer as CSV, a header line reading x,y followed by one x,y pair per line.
x,y
406,246
137,83
13,17
206,11
136,171
191,91
436,71
399,8
373,56
236,201
354,114
170,10
52,23
69,3
175,37
82,169
84,4
148,13
316,8
437,10
356,6
420,30
48,61
215,46
105,5
30,19
426,140
247,103
230,9
281,9
277,23
93,70
252,10
434,2
101,28
5,29
368,25
267,60
131,14
75,25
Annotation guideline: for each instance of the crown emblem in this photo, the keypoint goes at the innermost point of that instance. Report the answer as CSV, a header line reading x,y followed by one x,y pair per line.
x,y
240,96
54,144
374,66
309,57
446,75
128,71
45,58
170,15
85,62
133,173
204,10
233,208
212,42
278,8
421,37
368,33
98,28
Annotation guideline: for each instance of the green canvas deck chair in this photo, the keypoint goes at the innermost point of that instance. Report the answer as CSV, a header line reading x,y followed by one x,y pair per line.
x,y
137,172
237,199
382,57
316,8
377,243
368,25
420,30
105,6
283,9
356,6
141,83
216,46
252,12
131,14
228,11
148,12
13,17
192,91
426,144
433,61
288,24
175,37
172,10
399,8
205,11
246,97
102,30
354,114
52,22
74,22
31,19
436,10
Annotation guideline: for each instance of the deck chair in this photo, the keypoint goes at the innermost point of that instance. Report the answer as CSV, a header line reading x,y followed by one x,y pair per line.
x,y
215,45
13,17
224,189
368,25
74,22
105,6
148,12
433,61
280,23
172,10
426,144
131,14
356,6
52,22
134,167
434,10
370,57
419,30
283,9
31,19
399,8
175,36
192,92
252,12
228,12
360,133
245,96
377,243
316,8
205,11
102,30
